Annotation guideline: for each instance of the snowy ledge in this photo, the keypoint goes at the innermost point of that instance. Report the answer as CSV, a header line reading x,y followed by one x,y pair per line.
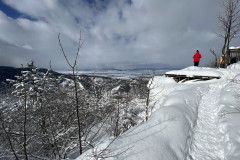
x,y
192,72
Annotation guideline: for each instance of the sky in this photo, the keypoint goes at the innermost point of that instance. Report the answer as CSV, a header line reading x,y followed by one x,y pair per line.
x,y
120,34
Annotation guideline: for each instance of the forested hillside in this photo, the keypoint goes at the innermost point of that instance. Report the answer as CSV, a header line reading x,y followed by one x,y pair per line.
x,y
38,114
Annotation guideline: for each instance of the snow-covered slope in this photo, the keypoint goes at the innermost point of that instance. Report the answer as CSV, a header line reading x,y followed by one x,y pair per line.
x,y
195,120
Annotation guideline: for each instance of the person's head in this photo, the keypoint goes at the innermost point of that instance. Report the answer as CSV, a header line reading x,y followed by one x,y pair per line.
x,y
197,51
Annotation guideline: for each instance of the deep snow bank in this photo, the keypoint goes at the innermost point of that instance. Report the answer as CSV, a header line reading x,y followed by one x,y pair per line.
x,y
230,117
168,133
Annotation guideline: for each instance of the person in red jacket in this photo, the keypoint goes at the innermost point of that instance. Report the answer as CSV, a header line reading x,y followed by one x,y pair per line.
x,y
197,58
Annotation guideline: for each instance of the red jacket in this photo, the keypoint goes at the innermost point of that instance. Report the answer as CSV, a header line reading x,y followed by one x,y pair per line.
x,y
197,56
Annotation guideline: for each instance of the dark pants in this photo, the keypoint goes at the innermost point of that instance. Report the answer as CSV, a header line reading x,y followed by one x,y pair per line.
x,y
196,63
221,65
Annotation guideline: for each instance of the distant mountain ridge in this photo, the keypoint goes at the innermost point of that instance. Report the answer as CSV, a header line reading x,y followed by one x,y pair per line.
x,y
93,84
127,66
11,72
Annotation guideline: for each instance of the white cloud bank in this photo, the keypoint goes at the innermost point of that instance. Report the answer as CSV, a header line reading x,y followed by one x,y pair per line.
x,y
125,31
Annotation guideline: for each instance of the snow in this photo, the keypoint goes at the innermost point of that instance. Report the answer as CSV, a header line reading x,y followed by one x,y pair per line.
x,y
229,123
207,139
197,71
195,120
234,47
234,66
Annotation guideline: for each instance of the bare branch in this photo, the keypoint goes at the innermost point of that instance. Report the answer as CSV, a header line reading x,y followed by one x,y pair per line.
x,y
77,99
50,65
60,44
80,43
229,23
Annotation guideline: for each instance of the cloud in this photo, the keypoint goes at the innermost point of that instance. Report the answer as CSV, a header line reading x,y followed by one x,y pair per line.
x,y
26,46
125,31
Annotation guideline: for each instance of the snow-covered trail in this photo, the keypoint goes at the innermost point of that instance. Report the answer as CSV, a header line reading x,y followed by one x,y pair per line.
x,y
207,141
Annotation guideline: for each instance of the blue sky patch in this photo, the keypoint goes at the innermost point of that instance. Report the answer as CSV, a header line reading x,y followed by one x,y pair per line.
x,y
13,13
98,4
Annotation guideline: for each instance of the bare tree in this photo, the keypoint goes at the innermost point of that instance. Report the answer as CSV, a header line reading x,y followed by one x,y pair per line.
x,y
143,89
22,120
76,86
216,57
25,121
5,127
229,24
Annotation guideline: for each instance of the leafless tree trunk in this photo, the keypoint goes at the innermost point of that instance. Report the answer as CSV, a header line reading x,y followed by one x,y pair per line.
x,y
149,88
73,67
25,121
117,115
216,57
8,136
229,24
143,89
